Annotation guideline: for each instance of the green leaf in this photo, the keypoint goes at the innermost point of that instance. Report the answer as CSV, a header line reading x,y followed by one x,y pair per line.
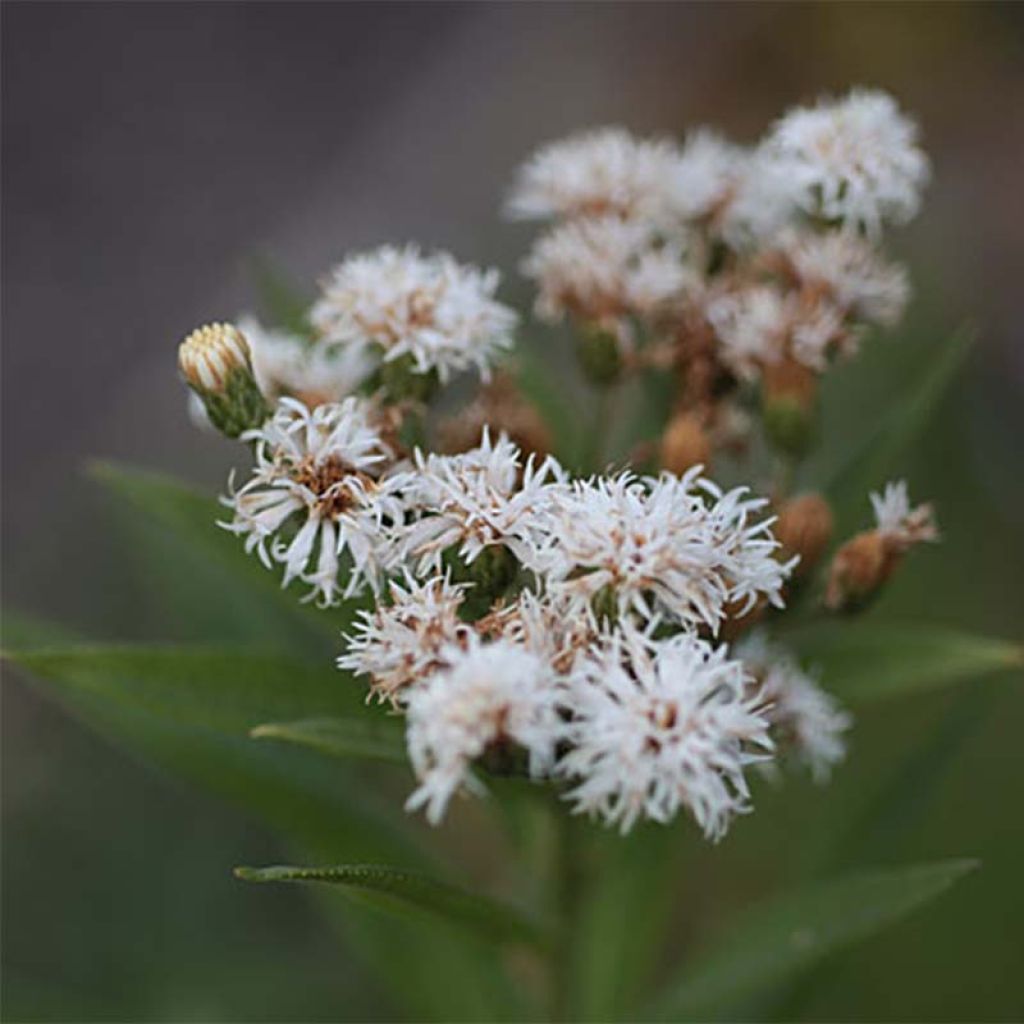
x,y
282,302
224,690
191,709
625,915
398,891
862,662
558,410
156,702
881,457
340,737
788,933
210,570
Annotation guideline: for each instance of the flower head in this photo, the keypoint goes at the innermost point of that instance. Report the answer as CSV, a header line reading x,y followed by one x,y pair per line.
x,y
544,624
402,642
802,714
318,471
898,523
752,326
436,313
662,725
673,547
602,269
850,272
854,160
606,171
483,497
490,694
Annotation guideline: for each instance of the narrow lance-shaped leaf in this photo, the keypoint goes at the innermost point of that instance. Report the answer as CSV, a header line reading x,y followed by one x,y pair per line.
x,y
861,662
399,891
340,737
792,931
198,731
191,710
225,690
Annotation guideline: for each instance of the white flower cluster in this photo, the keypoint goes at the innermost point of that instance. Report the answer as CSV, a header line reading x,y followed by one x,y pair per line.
x,y
774,245
584,655
399,303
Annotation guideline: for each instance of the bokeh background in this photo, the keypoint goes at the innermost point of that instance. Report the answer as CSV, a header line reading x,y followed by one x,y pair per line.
x,y
153,151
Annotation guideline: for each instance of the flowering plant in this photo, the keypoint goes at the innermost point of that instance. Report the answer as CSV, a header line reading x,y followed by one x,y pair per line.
x,y
614,636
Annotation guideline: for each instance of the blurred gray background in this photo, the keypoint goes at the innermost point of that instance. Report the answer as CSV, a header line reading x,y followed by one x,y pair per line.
x,y
152,150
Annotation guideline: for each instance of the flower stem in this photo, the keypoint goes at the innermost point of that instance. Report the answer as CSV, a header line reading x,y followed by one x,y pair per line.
x,y
595,449
566,890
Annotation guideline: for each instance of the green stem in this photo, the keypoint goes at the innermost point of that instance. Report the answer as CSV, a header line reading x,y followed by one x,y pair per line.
x,y
566,890
595,450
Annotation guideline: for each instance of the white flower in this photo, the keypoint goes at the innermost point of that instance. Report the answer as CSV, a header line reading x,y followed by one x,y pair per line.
x,y
285,364
316,469
491,694
438,313
752,326
800,711
853,160
761,203
898,523
604,268
818,331
758,325
485,496
400,643
705,175
678,547
662,725
544,624
597,172
851,272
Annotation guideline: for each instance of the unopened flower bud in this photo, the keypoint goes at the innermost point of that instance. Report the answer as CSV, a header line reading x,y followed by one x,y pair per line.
x,y
685,443
216,364
804,528
864,563
859,569
600,353
789,399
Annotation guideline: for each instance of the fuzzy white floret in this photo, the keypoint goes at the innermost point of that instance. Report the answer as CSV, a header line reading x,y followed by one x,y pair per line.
x,y
673,547
491,693
801,712
487,495
597,172
320,471
605,267
401,642
659,726
855,160
401,303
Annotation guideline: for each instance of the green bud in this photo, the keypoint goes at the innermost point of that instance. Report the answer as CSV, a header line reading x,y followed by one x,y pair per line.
x,y
599,354
792,426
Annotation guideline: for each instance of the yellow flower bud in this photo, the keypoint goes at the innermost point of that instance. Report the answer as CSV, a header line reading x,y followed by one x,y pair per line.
x,y
216,363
